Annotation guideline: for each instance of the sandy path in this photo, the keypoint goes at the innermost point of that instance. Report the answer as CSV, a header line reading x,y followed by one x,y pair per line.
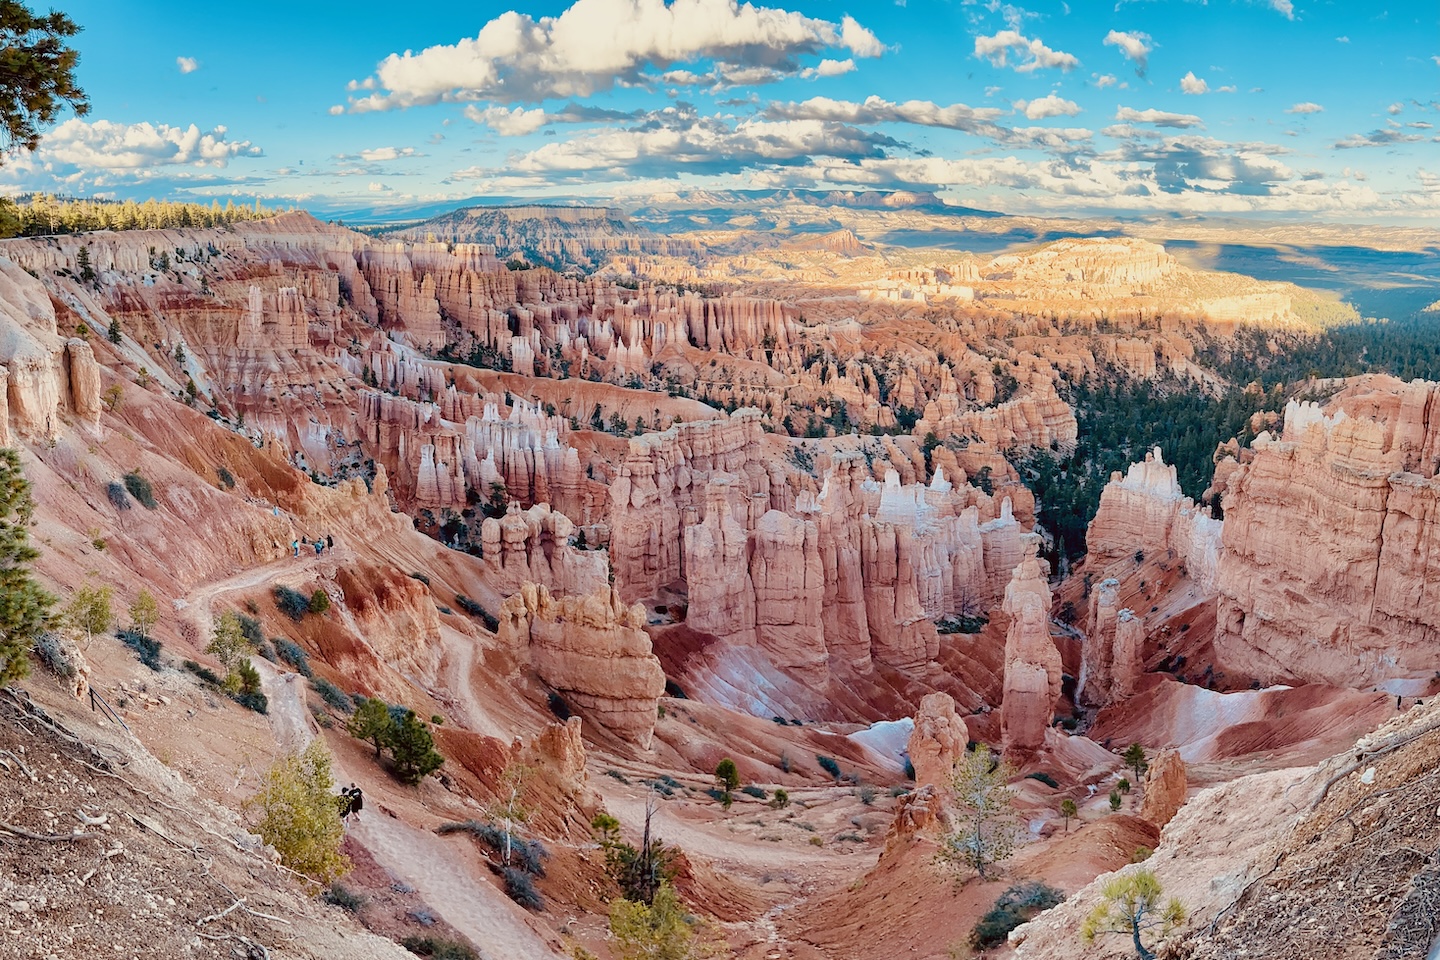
x,y
414,856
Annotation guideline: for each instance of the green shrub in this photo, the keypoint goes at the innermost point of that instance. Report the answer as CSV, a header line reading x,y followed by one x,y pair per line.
x,y
252,701
292,654
292,603
1019,904
250,628
438,948
782,798
960,623
319,602
147,648
333,695
829,765
417,575
521,889
140,489
866,793
204,673
492,623
343,898
119,499
47,648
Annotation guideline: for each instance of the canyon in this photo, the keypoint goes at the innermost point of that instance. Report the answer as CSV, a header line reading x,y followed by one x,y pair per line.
x,y
724,497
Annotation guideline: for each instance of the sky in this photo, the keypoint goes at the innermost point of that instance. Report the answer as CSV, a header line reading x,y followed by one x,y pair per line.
x,y
1323,109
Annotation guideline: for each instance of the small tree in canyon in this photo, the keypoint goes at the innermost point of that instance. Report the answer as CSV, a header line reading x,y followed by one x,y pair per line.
x,y
985,825
1131,907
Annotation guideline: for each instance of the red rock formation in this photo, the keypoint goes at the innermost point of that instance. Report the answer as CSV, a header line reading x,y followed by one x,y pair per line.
x,y
534,545
939,737
1326,571
1033,671
1165,788
1145,511
591,649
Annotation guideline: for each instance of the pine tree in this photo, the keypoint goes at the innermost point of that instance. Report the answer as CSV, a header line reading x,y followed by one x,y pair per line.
x,y
89,610
24,607
372,721
114,330
413,749
38,78
985,825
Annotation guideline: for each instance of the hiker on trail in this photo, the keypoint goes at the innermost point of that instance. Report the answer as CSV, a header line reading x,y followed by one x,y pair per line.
x,y
357,800
295,545
319,546
329,542
346,803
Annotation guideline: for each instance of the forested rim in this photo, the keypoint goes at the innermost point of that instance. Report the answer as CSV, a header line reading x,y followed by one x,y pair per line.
x,y
38,215
1121,418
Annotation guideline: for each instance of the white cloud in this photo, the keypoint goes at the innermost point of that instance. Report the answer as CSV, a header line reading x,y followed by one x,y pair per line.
x,y
675,140
1134,45
517,121
379,154
1193,84
1437,60
1228,88
1306,107
596,45
1387,137
1283,7
1031,55
1159,118
1105,80
1048,106
514,122
105,145
829,68
979,121
1395,108
336,110
187,64
1342,39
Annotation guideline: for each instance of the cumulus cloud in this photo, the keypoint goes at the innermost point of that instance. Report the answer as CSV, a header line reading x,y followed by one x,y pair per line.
x,y
1134,45
1285,8
381,154
518,121
1306,107
976,120
1386,137
1048,106
1159,118
1193,85
187,64
596,45
1030,55
1394,108
676,140
105,145
1105,80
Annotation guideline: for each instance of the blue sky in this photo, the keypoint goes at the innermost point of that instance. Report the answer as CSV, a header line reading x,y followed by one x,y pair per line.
x,y
1146,107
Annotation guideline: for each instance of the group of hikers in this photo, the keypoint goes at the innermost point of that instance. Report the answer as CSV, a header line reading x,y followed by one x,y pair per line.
x,y
320,545
351,802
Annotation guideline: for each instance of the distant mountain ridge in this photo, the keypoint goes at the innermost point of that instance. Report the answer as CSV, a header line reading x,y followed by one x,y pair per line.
x,y
559,236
